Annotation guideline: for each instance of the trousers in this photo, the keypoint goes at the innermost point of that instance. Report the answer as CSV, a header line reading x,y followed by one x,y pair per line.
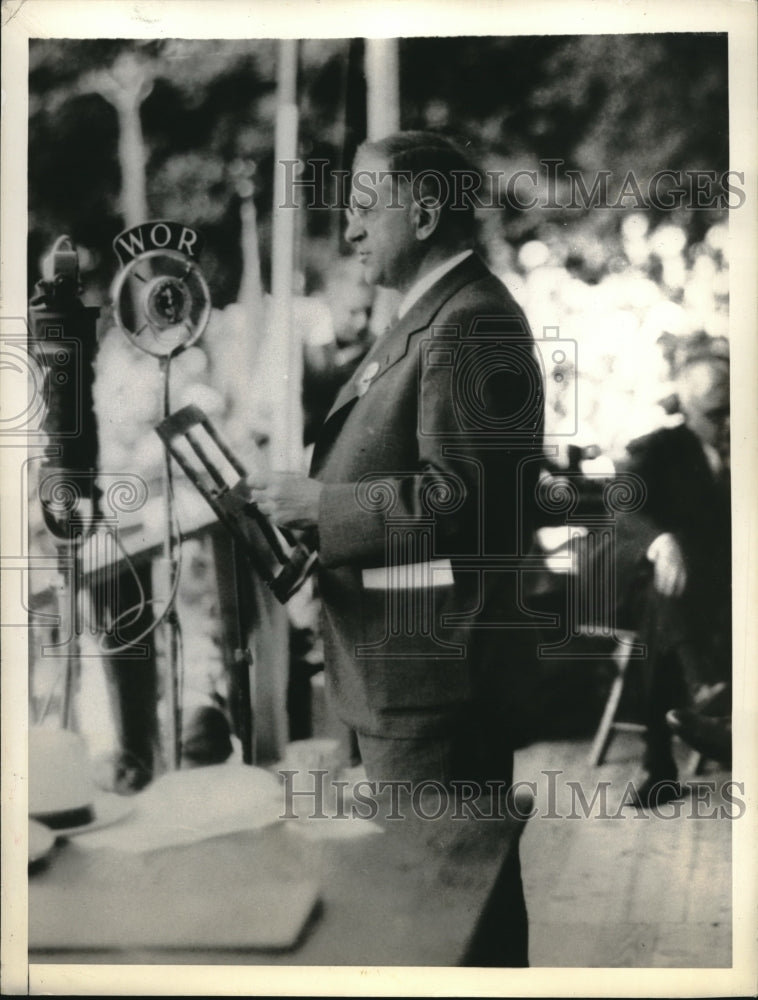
x,y
460,754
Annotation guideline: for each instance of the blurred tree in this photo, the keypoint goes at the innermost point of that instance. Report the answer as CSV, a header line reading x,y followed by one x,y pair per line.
x,y
591,100
612,102
621,103
125,84
120,131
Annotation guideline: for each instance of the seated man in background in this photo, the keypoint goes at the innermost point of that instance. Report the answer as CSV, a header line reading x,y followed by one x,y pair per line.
x,y
327,366
682,534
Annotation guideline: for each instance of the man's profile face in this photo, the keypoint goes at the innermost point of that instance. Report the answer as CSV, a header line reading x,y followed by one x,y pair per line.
x,y
380,224
706,405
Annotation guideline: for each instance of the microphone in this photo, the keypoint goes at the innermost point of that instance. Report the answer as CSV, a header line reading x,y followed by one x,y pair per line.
x,y
160,298
63,341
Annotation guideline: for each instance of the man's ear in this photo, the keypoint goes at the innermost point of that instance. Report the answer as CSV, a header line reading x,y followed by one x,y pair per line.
x,y
425,216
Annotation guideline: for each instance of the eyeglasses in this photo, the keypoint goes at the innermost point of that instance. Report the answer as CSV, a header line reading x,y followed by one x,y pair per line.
x,y
360,213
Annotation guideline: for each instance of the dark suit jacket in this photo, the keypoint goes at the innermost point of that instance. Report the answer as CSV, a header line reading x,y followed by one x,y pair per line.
x,y
684,498
430,456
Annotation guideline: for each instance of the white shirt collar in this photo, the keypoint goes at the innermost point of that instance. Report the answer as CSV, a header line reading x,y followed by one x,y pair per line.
x,y
416,290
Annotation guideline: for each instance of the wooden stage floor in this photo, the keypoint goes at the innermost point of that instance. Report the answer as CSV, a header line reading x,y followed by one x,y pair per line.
x,y
624,889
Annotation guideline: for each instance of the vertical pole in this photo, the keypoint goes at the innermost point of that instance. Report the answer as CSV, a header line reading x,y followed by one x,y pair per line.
x,y
383,86
285,351
382,67
286,438
243,664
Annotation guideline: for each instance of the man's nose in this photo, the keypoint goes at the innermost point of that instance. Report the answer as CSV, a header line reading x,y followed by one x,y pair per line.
x,y
354,230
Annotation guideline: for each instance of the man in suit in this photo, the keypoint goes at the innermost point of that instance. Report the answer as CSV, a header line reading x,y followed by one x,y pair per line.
x,y
439,434
421,495
682,535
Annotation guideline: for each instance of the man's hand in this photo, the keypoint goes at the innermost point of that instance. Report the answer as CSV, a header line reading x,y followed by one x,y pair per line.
x,y
288,498
670,576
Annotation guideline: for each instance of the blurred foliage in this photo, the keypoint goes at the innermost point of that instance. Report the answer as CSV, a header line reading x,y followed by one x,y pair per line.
x,y
621,102
615,102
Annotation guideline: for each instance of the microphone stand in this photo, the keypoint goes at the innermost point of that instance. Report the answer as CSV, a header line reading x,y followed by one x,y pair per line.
x,y
242,664
171,305
171,546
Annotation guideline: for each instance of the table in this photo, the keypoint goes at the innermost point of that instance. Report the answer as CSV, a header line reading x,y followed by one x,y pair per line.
x,y
411,894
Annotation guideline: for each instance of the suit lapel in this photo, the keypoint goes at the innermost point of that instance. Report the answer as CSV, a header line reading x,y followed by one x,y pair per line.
x,y
392,345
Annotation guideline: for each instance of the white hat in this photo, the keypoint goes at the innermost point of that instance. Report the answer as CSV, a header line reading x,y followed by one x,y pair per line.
x,y
62,792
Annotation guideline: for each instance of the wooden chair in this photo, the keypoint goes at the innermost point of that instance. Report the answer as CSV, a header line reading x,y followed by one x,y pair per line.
x,y
609,724
585,556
